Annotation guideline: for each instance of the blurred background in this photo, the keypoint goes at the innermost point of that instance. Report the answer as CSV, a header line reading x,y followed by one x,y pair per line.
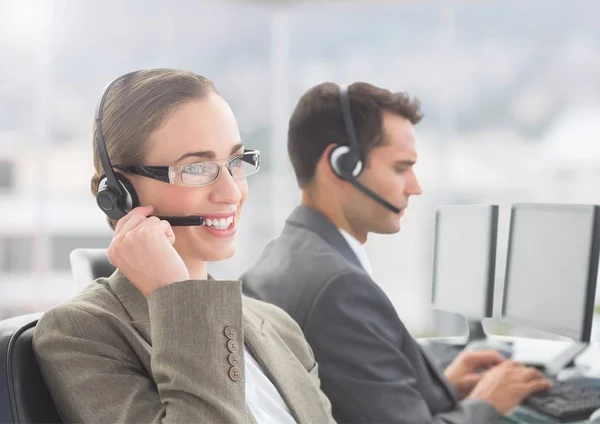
x,y
510,90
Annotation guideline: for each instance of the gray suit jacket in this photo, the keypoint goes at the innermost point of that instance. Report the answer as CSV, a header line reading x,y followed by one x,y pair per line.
x,y
110,355
371,368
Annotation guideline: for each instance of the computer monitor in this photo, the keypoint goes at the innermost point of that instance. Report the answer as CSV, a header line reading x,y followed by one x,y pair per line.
x,y
464,262
551,268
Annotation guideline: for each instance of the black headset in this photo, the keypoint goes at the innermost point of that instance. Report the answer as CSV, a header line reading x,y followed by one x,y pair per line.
x,y
116,195
346,160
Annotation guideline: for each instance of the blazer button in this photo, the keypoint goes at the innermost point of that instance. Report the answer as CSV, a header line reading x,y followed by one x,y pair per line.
x,y
235,373
233,347
230,333
234,359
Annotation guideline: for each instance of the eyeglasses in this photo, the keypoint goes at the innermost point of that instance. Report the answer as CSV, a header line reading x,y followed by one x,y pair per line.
x,y
200,173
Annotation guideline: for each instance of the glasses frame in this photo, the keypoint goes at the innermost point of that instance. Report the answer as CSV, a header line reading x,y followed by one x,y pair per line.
x,y
172,174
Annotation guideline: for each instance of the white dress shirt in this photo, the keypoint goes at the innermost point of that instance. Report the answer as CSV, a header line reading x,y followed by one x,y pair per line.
x,y
358,250
262,397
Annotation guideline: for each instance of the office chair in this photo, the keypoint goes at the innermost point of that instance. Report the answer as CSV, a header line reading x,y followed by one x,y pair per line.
x,y
89,264
24,397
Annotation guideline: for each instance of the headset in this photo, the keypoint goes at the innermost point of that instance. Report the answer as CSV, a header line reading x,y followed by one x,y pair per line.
x,y
346,160
116,195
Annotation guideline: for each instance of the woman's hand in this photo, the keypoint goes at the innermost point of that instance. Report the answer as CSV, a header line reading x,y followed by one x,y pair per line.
x,y
142,249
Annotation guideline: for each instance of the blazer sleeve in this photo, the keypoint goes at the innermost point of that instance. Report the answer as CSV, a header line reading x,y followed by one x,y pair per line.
x,y
94,375
357,338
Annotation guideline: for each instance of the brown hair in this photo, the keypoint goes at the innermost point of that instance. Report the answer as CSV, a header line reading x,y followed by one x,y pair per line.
x,y
136,106
317,121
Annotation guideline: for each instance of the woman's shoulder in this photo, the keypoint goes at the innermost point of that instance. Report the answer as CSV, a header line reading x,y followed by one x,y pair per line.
x,y
94,305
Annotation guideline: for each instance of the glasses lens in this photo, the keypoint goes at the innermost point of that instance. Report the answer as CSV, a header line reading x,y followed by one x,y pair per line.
x,y
197,174
244,165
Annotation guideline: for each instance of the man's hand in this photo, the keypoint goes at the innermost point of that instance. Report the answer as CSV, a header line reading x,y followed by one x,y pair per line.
x,y
508,384
466,369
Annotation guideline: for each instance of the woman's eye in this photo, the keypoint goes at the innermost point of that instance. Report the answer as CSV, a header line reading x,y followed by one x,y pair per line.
x,y
196,168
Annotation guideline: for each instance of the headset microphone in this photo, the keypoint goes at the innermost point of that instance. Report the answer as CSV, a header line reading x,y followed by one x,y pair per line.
x,y
116,195
183,221
346,161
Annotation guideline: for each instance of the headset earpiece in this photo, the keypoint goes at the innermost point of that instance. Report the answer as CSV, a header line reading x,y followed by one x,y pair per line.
x,y
113,203
343,162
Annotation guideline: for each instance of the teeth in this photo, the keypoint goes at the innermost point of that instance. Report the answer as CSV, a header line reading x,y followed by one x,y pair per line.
x,y
219,224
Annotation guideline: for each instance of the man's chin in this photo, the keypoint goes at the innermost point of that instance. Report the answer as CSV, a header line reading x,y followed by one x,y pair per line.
x,y
389,229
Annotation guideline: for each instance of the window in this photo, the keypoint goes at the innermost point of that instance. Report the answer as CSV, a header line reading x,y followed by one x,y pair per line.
x,y
16,253
7,174
62,245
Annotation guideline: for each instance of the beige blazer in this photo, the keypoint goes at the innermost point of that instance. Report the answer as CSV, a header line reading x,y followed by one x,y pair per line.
x,y
110,355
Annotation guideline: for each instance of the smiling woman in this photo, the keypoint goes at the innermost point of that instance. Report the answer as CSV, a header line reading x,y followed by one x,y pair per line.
x,y
161,340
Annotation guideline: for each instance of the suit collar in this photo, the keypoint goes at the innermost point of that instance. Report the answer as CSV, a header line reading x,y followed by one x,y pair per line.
x,y
315,221
131,298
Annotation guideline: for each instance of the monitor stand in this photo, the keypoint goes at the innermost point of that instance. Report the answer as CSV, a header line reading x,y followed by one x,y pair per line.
x,y
476,331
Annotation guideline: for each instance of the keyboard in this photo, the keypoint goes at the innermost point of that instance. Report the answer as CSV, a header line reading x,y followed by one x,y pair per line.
x,y
566,401
442,354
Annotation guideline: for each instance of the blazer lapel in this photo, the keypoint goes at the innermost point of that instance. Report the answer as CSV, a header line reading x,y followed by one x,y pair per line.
x,y
315,221
284,370
133,301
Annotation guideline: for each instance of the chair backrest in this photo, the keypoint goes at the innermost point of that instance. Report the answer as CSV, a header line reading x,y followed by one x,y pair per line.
x,y
24,397
89,264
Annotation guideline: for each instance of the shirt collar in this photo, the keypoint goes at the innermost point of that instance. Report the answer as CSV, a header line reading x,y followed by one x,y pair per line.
x,y
358,250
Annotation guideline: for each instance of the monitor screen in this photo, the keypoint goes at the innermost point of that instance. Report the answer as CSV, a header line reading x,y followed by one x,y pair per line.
x,y
465,259
551,269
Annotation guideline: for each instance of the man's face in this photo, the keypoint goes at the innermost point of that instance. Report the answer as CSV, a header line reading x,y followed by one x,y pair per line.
x,y
390,174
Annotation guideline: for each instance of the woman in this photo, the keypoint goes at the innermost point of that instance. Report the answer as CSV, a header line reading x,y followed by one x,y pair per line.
x,y
160,340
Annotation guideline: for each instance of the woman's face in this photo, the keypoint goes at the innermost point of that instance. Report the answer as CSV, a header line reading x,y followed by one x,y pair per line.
x,y
196,131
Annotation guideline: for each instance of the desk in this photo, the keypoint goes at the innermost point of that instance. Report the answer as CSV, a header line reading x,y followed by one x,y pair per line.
x,y
534,351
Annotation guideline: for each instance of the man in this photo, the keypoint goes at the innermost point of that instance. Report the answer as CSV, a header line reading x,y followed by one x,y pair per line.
x,y
353,151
